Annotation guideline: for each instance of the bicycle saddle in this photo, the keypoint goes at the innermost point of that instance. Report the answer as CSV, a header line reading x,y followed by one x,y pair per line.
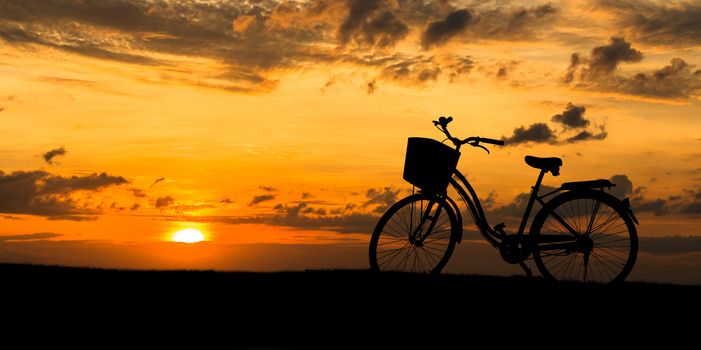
x,y
552,164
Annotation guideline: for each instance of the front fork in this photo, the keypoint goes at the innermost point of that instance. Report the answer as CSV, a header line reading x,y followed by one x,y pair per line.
x,y
418,235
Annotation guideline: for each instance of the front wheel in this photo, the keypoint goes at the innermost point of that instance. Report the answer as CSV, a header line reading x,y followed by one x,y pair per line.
x,y
584,236
416,234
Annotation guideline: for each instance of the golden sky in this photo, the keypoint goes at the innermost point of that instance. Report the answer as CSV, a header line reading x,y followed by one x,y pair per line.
x,y
278,128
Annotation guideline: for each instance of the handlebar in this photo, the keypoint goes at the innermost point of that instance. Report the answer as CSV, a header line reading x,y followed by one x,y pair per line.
x,y
473,141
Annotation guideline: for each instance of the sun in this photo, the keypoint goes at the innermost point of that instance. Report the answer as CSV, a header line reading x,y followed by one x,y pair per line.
x,y
188,235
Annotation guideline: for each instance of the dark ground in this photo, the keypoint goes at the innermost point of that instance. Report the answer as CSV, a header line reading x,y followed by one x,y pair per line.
x,y
330,309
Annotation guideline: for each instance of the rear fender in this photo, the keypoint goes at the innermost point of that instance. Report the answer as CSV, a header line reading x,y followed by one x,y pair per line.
x,y
629,210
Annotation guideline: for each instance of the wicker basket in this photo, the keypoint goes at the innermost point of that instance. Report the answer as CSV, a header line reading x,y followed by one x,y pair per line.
x,y
429,164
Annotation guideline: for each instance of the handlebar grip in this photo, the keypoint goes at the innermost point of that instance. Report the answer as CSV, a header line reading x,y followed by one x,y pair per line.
x,y
444,121
492,141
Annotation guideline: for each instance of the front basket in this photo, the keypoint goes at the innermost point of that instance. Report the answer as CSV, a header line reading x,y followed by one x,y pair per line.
x,y
429,164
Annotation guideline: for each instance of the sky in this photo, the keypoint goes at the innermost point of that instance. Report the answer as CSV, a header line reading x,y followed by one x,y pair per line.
x,y
278,128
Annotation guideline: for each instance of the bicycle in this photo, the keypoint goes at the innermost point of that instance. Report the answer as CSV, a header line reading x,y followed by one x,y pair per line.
x,y
583,233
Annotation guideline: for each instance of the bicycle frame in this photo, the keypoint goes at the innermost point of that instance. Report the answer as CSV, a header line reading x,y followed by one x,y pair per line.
x,y
463,187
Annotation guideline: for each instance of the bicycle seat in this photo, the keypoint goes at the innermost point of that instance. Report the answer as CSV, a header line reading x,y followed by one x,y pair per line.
x,y
551,164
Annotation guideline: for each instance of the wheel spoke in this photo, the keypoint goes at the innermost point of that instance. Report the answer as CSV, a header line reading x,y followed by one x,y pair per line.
x,y
391,245
612,242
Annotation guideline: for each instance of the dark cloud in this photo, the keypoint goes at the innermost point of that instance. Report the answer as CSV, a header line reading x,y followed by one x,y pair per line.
x,y
267,188
302,216
536,133
624,186
573,121
670,244
261,198
439,32
44,194
157,181
459,68
605,59
137,192
678,80
416,70
50,155
512,212
665,23
572,117
30,237
489,23
371,22
586,135
371,86
383,198
516,23
254,41
162,202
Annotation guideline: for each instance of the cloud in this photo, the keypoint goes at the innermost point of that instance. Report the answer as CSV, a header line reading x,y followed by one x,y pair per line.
x,y
512,212
261,198
536,133
678,80
383,197
44,194
439,32
302,216
659,23
253,43
30,237
162,202
572,117
268,188
605,59
573,121
137,192
157,181
585,135
50,155
371,22
489,23
515,23
670,244
417,70
372,86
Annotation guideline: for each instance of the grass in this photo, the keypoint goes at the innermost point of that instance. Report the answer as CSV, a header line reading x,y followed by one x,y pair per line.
x,y
292,308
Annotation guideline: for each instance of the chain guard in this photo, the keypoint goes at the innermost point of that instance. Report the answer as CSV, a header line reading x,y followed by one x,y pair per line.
x,y
514,249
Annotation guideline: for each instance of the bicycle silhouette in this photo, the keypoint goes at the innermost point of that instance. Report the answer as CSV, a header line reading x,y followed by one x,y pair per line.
x,y
582,233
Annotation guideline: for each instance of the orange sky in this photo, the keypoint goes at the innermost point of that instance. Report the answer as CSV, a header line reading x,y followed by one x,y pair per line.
x,y
286,122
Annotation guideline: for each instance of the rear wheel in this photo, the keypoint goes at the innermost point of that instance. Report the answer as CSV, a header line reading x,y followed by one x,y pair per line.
x,y
584,236
416,234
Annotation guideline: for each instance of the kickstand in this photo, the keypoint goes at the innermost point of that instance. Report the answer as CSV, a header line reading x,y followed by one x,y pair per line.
x,y
526,269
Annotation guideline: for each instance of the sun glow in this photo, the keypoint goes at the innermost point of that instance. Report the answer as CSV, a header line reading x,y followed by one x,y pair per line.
x,y
188,235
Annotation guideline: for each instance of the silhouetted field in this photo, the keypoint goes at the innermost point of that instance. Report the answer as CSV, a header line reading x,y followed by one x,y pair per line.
x,y
293,309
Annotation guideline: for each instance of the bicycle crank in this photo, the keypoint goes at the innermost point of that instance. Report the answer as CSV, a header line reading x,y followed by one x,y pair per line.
x,y
514,249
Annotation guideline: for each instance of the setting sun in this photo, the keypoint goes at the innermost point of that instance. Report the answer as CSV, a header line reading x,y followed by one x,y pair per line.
x,y
188,235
